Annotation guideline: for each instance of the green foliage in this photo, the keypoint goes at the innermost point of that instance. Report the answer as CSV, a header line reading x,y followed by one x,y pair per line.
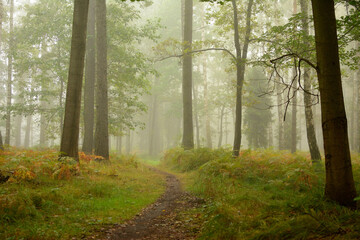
x,y
189,160
264,194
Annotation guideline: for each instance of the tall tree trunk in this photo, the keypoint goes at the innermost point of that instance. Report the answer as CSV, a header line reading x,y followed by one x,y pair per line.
x,y
119,145
128,141
221,126
280,115
240,70
354,115
188,130
70,135
207,110
293,116
18,121
27,131
152,130
206,97
61,112
10,75
1,20
196,116
1,143
357,139
89,88
310,129
339,177
101,130
43,125
294,102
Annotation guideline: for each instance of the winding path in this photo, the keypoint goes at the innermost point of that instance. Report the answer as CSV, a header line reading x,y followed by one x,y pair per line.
x,y
161,220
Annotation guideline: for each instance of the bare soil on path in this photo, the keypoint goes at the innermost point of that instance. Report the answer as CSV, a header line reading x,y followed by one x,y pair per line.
x,y
165,219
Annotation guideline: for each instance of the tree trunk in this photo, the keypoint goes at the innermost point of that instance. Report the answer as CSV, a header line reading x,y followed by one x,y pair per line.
x,y
18,131
294,102
188,130
196,116
1,143
339,177
357,128
70,135
128,141
27,131
101,130
293,115
43,127
221,126
119,145
240,70
280,115
89,88
152,130
1,21
310,129
61,112
354,115
10,75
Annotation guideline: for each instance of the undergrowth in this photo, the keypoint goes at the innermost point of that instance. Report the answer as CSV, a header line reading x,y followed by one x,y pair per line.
x,y
45,198
263,194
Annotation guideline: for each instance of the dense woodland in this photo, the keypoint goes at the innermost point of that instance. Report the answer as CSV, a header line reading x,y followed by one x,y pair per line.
x,y
253,104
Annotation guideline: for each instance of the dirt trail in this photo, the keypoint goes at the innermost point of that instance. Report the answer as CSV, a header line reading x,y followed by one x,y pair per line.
x,y
163,219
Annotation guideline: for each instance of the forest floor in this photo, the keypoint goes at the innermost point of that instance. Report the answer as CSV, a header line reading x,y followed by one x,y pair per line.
x,y
172,216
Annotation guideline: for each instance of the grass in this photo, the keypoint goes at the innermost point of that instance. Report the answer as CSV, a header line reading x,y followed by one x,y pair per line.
x,y
48,199
263,194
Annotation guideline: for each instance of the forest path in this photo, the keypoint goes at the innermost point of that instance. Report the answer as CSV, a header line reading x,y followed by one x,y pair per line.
x,y
165,219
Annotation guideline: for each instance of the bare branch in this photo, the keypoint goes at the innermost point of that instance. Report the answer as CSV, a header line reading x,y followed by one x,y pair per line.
x,y
197,51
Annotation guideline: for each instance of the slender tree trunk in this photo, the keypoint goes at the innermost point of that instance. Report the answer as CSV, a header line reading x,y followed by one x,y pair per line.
x,y
206,97
61,112
70,135
221,126
101,130
18,121
27,131
128,141
357,140
310,129
339,177
89,88
10,75
43,125
354,111
240,70
293,116
188,130
196,116
1,143
152,130
207,110
119,145
280,116
1,20
294,102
